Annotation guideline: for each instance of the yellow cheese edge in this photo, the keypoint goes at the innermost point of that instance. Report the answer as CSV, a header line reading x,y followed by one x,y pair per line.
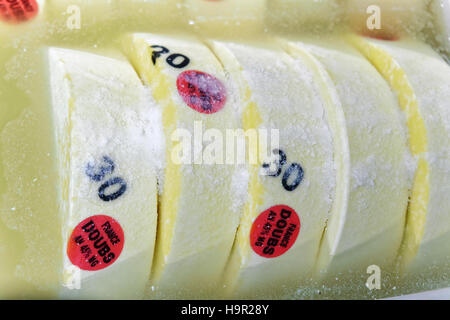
x,y
417,210
251,120
139,53
336,120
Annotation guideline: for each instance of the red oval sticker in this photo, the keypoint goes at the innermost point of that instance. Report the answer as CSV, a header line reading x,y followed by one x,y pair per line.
x,y
201,91
95,243
275,231
16,11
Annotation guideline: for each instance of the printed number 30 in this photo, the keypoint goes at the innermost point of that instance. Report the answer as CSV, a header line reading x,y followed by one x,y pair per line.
x,y
99,173
294,169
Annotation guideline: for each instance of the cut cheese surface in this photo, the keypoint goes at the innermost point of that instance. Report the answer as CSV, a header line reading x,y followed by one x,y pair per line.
x,y
423,91
276,249
369,229
199,209
104,121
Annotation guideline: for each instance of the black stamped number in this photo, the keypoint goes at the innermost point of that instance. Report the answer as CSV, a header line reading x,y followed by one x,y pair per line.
x,y
175,60
110,189
292,176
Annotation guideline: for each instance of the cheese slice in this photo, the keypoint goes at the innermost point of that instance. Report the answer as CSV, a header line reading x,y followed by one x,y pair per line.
x,y
105,125
395,17
218,17
278,94
369,229
199,209
421,80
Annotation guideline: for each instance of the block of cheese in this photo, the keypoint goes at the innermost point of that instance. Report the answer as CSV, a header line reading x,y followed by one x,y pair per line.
x,y
107,139
226,15
395,17
369,229
291,194
421,80
289,15
199,210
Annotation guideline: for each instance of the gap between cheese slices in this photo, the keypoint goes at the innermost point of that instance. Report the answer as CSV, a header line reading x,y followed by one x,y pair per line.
x,y
421,80
369,228
101,110
199,207
276,93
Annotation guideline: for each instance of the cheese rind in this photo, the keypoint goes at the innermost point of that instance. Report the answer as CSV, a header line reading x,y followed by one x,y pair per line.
x,y
104,121
370,228
278,94
199,209
424,98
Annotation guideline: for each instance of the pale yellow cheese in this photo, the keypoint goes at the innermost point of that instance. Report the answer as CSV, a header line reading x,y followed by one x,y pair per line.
x,y
279,94
226,16
101,109
199,211
369,229
396,17
311,15
157,14
421,80
75,14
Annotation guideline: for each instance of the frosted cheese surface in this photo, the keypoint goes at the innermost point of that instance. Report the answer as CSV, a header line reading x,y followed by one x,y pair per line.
x,y
199,211
370,230
423,91
105,123
280,94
